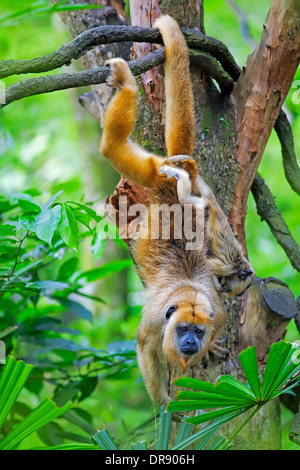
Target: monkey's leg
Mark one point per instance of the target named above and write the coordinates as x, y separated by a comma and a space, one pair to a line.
178, 87
130, 160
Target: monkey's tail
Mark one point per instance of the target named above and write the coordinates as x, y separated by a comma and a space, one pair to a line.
179, 95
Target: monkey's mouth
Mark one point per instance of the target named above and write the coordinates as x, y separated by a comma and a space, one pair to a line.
243, 291
189, 351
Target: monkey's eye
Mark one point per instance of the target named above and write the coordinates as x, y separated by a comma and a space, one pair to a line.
198, 331
183, 328
170, 311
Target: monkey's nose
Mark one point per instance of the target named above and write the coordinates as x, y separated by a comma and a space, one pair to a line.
245, 274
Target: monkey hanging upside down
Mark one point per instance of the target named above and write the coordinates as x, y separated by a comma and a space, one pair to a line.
183, 314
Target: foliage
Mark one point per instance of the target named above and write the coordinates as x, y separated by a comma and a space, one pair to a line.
13, 377
36, 312
233, 398
42, 7
184, 437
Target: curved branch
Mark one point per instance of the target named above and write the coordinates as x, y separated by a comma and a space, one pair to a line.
268, 211
36, 86
109, 34
290, 165
50, 83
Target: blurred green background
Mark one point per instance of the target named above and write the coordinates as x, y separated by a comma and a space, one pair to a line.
49, 142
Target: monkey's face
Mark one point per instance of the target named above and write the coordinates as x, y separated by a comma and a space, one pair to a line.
188, 329
232, 278
232, 272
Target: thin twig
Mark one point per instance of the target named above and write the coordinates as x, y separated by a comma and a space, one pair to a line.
289, 158
268, 211
16, 259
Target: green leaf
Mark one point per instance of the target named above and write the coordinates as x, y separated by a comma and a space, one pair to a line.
28, 267
27, 220
12, 379
217, 444
205, 440
280, 367
103, 271
228, 385
60, 6
98, 245
43, 414
29, 206
81, 419
140, 445
88, 210
46, 223
227, 411
104, 441
67, 269
7, 229
196, 384
207, 430
68, 228
211, 400
163, 430
68, 447
82, 217
48, 286
75, 307
184, 432
249, 364
8, 331
87, 386
49, 203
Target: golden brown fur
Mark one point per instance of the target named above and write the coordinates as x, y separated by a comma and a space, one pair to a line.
175, 278
232, 272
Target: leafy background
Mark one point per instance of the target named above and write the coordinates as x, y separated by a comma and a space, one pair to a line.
74, 309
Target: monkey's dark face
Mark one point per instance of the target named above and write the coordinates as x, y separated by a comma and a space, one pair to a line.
232, 272
189, 338
236, 283
188, 329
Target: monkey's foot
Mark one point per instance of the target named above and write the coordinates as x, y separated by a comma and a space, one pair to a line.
170, 172
120, 75
216, 348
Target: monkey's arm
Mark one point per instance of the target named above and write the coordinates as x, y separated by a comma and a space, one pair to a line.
130, 160
179, 95
148, 342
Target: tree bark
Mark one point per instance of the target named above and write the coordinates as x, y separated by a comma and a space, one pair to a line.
231, 134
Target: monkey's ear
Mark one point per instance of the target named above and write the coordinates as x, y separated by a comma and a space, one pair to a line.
170, 311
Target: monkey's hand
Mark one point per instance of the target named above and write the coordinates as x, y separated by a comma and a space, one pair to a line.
184, 185
216, 348
120, 75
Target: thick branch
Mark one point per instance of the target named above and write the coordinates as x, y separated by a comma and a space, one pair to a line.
50, 83
109, 34
290, 165
259, 95
268, 211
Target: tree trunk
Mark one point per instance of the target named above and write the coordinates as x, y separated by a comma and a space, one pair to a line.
231, 133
